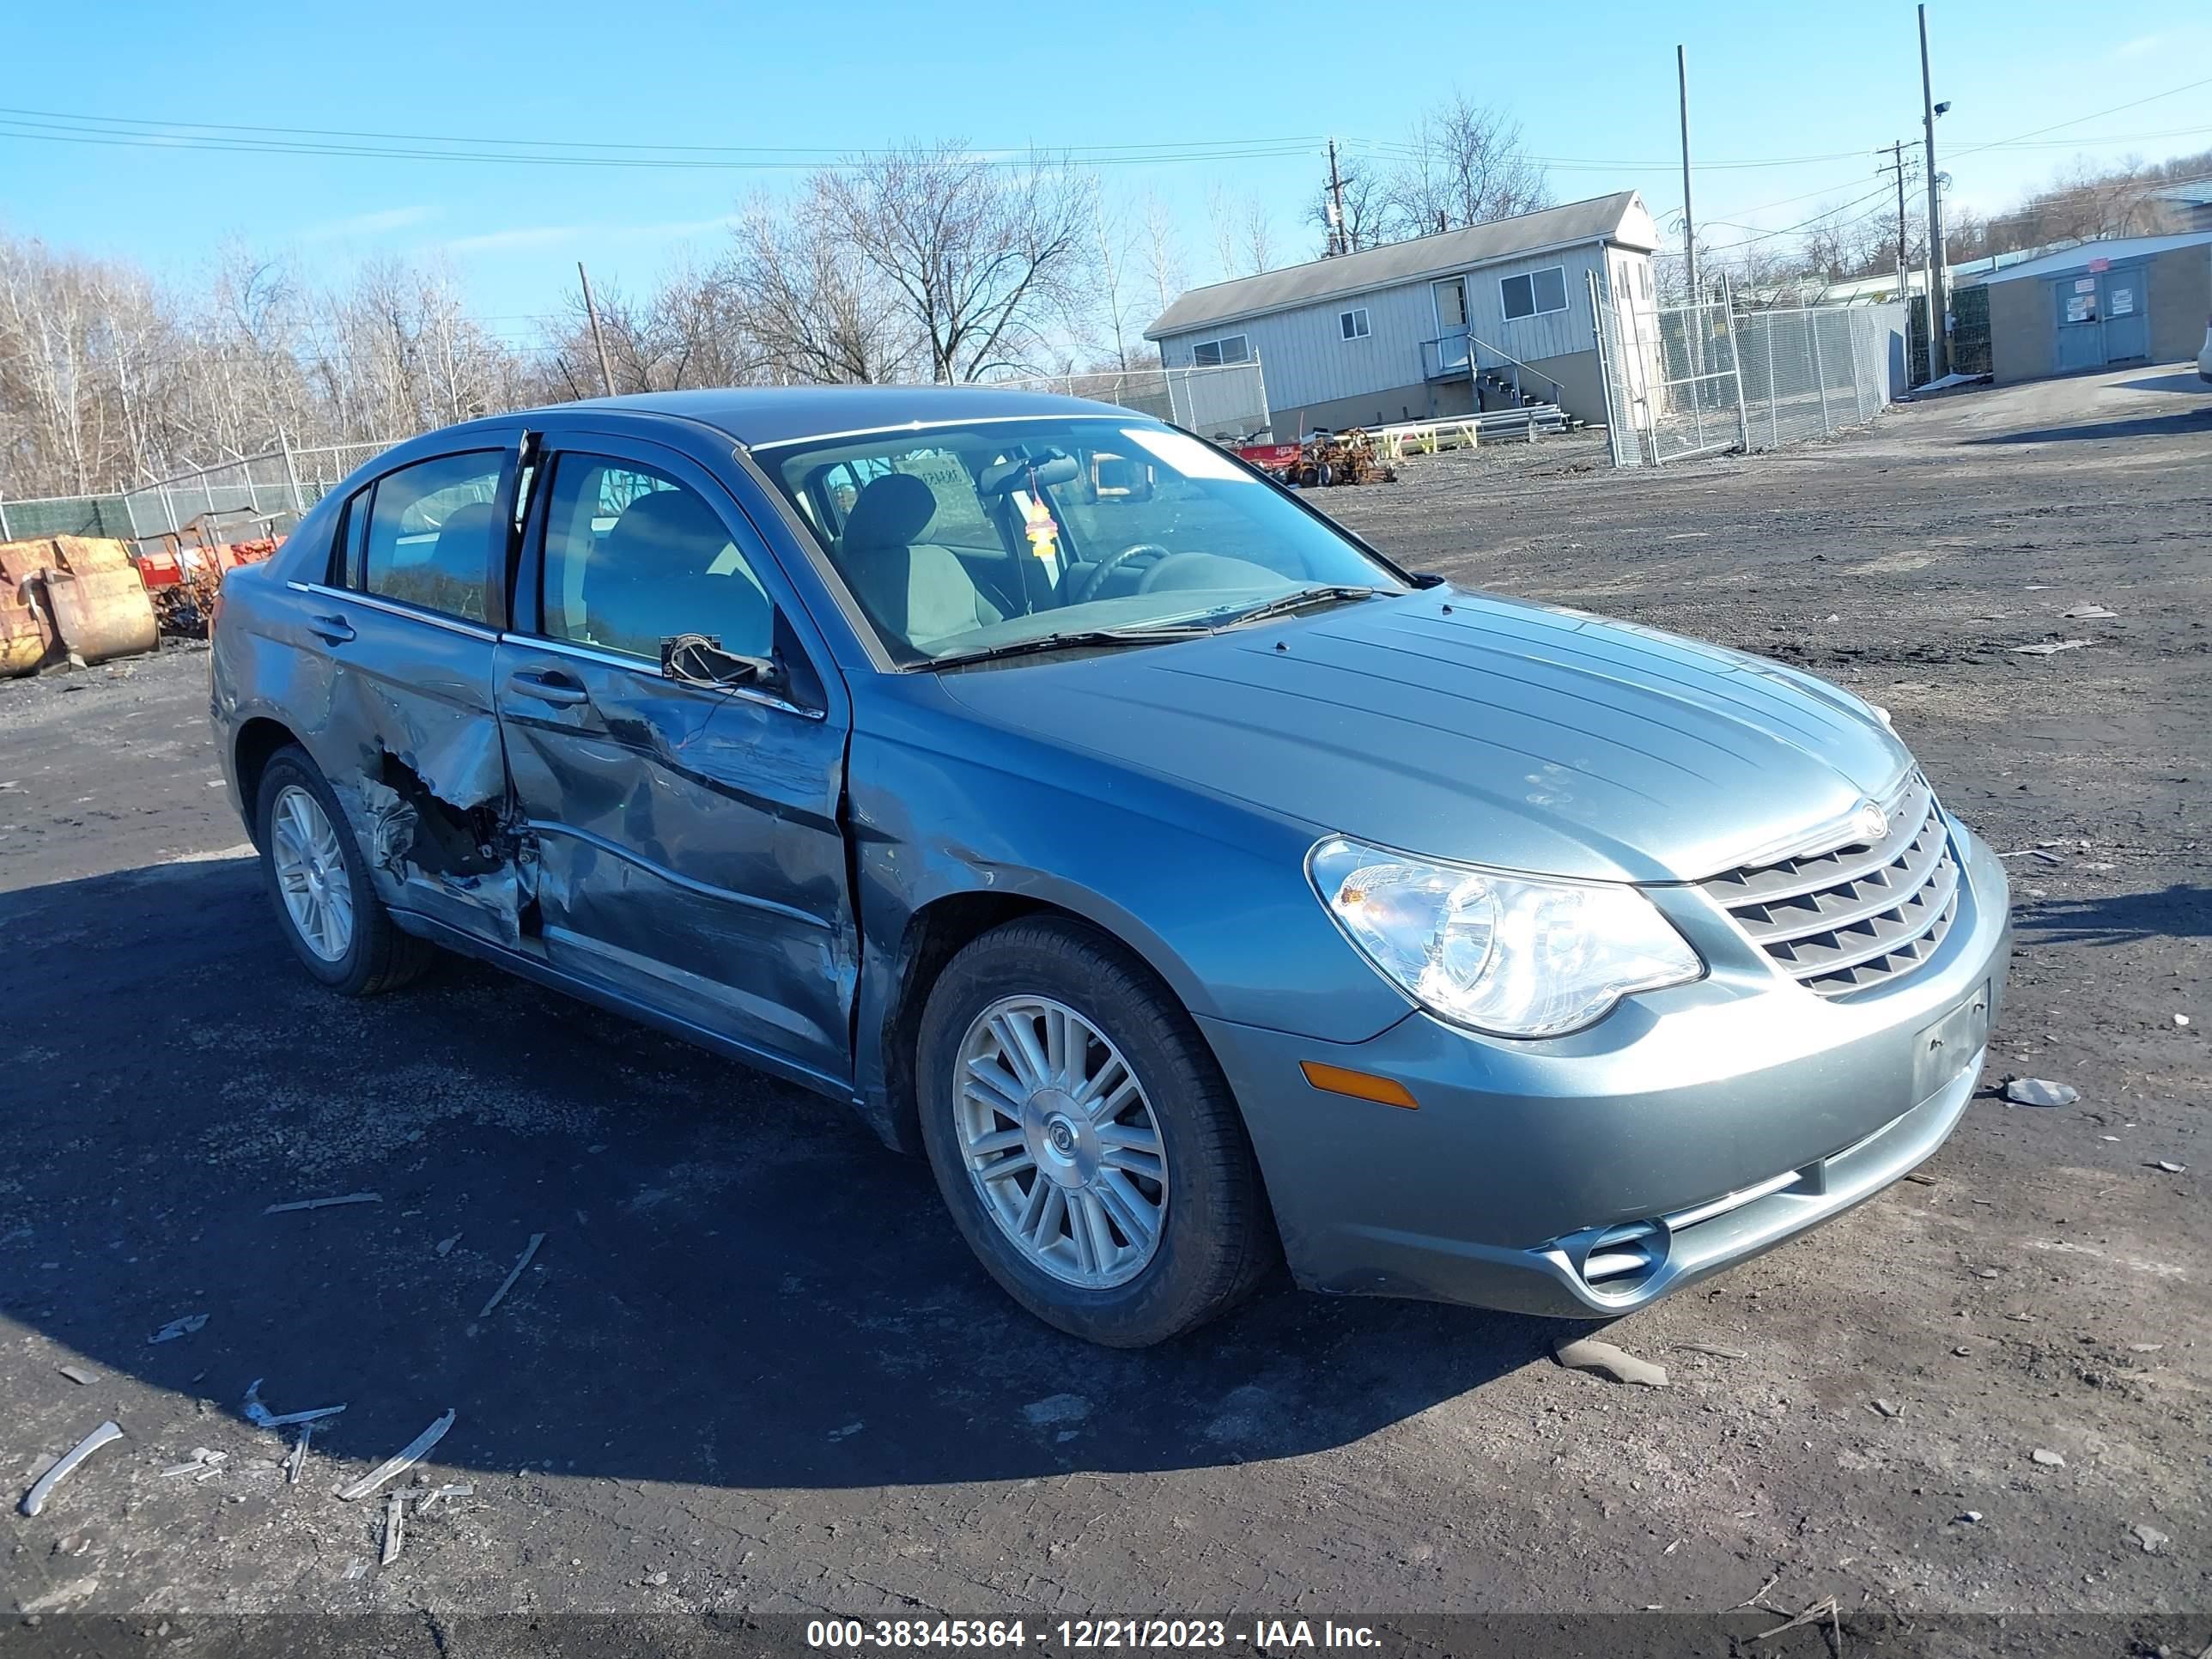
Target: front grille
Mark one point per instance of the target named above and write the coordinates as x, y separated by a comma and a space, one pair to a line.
1860, 913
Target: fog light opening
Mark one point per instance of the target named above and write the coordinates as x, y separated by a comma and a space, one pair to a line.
1621, 1259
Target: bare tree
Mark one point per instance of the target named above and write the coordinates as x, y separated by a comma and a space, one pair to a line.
1165, 267
987, 261
44, 355
1117, 299
1243, 232
705, 337
814, 310
1221, 224
1467, 166
1259, 240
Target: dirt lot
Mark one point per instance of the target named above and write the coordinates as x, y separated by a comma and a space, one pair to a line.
751, 1367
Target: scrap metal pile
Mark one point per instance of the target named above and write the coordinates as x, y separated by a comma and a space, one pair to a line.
84, 599
1324, 458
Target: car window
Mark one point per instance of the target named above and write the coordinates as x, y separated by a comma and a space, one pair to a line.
429, 533
633, 558
1011, 531
1121, 495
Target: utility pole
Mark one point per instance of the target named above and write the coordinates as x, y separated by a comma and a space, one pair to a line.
1689, 224
1938, 347
599, 340
1339, 234
1897, 166
1896, 154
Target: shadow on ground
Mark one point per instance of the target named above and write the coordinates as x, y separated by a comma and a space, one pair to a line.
738, 1286
2185, 379
2188, 422
2181, 911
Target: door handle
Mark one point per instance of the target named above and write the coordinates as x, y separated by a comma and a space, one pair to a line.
548, 686
335, 630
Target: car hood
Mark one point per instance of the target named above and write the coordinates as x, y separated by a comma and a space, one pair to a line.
1469, 727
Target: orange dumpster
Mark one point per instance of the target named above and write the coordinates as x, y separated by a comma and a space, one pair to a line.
26, 640
89, 591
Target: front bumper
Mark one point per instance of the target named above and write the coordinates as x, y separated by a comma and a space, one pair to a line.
1588, 1174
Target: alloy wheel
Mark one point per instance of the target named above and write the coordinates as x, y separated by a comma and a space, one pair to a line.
311, 873
1060, 1142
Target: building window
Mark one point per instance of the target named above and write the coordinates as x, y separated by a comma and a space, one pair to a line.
1535, 292
1228, 348
1352, 323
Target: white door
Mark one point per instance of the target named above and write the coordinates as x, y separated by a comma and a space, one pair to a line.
1451, 324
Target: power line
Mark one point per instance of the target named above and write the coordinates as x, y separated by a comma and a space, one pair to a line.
62, 126
2035, 133
592, 144
59, 127
1786, 230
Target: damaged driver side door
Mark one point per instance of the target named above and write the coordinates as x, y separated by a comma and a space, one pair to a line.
685, 814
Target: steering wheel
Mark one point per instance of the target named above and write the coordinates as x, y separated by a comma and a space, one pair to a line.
1110, 564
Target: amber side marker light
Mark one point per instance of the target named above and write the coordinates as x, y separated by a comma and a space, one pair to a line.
1360, 1086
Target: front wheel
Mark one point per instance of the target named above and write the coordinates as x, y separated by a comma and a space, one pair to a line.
1084, 1139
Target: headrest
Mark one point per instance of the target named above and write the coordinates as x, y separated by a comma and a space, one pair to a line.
466, 524
891, 512
666, 520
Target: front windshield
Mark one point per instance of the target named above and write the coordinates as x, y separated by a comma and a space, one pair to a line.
956, 540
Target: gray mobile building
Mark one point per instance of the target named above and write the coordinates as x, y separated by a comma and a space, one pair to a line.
2132, 299
1435, 326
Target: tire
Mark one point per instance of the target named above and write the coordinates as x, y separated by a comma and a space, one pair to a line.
1212, 1239
376, 956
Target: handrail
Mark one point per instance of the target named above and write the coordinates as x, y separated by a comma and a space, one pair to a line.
1474, 339
1517, 363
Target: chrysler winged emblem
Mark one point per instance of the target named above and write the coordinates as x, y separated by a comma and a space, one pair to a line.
1870, 822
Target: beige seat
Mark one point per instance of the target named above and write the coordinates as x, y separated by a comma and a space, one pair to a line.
918, 591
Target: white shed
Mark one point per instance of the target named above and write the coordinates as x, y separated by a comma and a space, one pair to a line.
1483, 318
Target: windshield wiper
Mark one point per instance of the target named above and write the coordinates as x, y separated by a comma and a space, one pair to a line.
1071, 640
1284, 605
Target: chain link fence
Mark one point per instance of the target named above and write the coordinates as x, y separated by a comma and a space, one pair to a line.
1809, 373
1704, 378
253, 496
1228, 402
265, 494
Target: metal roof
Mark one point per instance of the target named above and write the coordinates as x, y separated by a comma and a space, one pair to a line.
2114, 249
1598, 219
760, 416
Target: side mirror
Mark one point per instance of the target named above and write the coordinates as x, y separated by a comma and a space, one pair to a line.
1425, 578
697, 659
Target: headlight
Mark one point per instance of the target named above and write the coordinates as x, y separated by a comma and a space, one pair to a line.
1510, 955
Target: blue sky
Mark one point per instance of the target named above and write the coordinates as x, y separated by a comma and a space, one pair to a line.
1592, 81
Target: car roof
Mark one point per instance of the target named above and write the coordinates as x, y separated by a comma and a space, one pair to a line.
759, 416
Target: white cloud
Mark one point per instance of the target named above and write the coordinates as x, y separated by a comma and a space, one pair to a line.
2141, 46
495, 241
542, 236
367, 224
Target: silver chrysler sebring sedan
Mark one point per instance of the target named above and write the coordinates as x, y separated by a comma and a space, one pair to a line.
1196, 888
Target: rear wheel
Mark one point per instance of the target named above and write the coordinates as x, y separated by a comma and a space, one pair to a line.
319, 887
1084, 1139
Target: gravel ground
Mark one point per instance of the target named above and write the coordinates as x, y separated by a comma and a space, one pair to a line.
751, 1367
